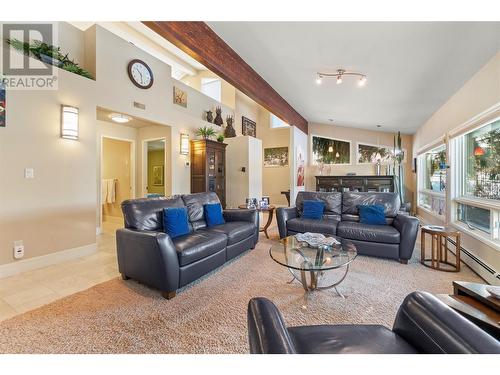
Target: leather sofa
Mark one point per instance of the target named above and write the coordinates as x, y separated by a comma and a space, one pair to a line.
423, 324
395, 240
148, 255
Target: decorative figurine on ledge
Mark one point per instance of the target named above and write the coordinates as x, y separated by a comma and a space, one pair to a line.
229, 132
218, 116
209, 116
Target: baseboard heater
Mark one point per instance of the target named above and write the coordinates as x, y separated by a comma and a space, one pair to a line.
476, 259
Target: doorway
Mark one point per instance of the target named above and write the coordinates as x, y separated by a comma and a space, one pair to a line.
117, 176
154, 167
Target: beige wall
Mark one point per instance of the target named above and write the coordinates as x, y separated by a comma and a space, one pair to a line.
355, 136
227, 91
478, 94
116, 164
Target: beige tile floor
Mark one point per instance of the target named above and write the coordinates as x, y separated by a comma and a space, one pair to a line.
32, 289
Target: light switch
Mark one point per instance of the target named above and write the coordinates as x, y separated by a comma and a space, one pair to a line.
29, 173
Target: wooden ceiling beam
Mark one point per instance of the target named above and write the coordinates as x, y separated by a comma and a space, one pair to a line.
199, 41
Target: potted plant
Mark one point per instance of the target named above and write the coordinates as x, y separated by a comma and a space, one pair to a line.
220, 138
206, 132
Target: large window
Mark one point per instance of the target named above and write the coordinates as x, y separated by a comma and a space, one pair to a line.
476, 197
432, 180
212, 87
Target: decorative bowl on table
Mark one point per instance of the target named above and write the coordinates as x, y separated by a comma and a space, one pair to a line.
316, 239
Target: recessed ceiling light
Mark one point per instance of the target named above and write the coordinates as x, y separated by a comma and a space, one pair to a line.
120, 118
379, 126
330, 119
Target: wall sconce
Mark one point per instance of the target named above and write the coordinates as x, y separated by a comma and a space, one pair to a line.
69, 122
184, 144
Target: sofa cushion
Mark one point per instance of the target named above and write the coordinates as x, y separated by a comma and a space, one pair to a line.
302, 225
351, 201
313, 209
198, 245
348, 339
333, 202
175, 221
147, 213
195, 203
235, 231
367, 232
213, 214
372, 214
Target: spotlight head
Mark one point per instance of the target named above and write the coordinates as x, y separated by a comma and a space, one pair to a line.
362, 81
318, 80
339, 79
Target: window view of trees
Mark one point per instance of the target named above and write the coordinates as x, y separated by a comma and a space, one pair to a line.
435, 169
483, 162
331, 151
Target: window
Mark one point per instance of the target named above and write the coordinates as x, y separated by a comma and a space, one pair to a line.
212, 87
476, 196
432, 180
276, 122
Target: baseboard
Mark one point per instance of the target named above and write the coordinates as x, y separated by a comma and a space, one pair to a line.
19, 266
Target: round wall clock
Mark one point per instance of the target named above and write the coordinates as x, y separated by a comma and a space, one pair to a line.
140, 74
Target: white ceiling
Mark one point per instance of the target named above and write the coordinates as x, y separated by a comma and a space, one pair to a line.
412, 67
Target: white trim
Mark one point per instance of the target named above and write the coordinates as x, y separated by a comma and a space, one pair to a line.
24, 265
439, 194
432, 213
483, 238
333, 139
434, 144
488, 204
472, 123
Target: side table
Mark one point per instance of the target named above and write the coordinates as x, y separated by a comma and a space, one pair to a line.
270, 211
439, 248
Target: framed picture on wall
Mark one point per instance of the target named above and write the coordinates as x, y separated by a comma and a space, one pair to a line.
157, 175
300, 168
3, 106
276, 157
180, 97
248, 127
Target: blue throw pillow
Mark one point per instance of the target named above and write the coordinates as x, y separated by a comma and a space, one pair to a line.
175, 221
372, 214
213, 214
313, 209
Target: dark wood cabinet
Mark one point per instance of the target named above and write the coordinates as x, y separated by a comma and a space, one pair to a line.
355, 183
208, 168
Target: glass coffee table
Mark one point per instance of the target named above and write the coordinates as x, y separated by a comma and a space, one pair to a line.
314, 267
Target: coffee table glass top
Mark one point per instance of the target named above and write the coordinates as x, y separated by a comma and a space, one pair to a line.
294, 254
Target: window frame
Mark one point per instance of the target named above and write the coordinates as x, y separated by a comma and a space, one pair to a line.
457, 146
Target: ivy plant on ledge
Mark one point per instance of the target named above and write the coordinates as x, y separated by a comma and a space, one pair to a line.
49, 54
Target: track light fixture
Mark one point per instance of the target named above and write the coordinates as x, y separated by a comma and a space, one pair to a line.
339, 76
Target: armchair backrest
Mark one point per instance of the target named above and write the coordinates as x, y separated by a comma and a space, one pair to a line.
432, 327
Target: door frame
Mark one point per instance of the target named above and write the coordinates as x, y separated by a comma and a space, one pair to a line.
132, 171
144, 177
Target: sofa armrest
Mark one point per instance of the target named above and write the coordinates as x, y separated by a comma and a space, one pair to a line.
148, 257
432, 327
408, 230
267, 332
283, 214
242, 214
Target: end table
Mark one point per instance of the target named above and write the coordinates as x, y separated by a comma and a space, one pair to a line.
270, 210
439, 248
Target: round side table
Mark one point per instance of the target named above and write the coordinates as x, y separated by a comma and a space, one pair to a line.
439, 248
270, 211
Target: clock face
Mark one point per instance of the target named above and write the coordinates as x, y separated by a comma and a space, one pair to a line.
140, 74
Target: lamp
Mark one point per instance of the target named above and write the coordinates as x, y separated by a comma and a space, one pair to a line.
184, 144
479, 151
69, 122
339, 75
330, 149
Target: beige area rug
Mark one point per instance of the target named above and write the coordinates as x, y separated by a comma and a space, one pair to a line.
209, 316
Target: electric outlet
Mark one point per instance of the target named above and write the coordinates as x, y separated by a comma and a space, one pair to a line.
18, 249
29, 173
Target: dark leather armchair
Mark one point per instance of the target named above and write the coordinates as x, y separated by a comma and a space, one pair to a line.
150, 256
394, 240
423, 325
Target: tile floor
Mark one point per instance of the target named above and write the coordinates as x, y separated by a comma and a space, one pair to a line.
32, 289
